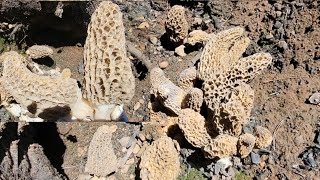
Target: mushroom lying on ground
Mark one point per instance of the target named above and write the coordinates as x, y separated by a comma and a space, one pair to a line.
37, 93
172, 96
37, 51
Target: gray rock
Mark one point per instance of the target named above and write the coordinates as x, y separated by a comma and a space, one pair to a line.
315, 98
318, 138
277, 25
283, 45
311, 160
237, 162
255, 158
222, 165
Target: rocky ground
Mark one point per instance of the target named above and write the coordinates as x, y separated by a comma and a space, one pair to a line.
288, 30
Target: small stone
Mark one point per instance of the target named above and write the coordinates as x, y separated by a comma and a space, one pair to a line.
315, 98
278, 13
11, 26
278, 6
277, 25
269, 36
222, 165
149, 105
136, 106
255, 158
132, 176
283, 45
236, 161
144, 25
139, 18
163, 64
124, 141
197, 21
141, 101
298, 140
180, 51
153, 40
14, 109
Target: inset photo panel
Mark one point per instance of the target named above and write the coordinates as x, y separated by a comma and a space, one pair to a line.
78, 151
73, 61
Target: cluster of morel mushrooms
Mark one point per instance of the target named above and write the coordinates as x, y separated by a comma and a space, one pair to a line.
108, 79
211, 102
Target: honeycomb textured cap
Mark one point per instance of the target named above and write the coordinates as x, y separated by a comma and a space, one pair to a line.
195, 99
171, 96
176, 24
187, 78
102, 159
245, 144
198, 36
160, 160
193, 127
263, 137
162, 121
28, 88
108, 77
221, 68
222, 146
39, 51
236, 111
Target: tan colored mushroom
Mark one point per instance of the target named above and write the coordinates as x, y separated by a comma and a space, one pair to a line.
108, 78
170, 95
245, 144
187, 78
176, 24
222, 69
222, 146
160, 160
195, 99
43, 92
102, 159
263, 137
193, 127
198, 36
39, 51
236, 111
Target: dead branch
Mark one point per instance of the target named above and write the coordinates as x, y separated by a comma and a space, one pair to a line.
138, 54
